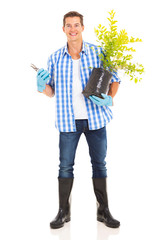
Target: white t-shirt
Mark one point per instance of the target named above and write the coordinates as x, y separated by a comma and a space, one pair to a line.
79, 106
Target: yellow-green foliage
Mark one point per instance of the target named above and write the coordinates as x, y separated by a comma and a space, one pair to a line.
117, 53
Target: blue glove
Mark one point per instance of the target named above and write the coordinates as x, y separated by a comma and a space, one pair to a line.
107, 100
42, 79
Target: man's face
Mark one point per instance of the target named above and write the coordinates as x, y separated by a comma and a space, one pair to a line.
73, 28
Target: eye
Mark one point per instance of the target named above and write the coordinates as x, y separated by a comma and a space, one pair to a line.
68, 25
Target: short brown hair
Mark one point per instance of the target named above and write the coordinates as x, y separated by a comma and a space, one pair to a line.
73, 14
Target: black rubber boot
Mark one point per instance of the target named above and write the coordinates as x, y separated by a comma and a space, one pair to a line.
65, 187
103, 213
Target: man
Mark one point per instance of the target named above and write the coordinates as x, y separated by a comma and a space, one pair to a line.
67, 75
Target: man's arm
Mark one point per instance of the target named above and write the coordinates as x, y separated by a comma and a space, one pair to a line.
48, 91
113, 89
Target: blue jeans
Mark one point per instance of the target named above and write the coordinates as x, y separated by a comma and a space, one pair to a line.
97, 142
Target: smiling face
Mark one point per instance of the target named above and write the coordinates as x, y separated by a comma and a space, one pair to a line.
73, 29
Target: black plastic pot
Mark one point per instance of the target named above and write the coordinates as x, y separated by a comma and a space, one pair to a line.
98, 83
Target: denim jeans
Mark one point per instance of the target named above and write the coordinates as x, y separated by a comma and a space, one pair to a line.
97, 143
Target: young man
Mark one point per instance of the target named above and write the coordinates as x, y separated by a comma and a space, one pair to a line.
67, 75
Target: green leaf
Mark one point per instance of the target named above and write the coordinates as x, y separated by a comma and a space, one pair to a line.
117, 54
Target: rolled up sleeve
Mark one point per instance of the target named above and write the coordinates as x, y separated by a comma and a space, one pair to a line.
50, 65
115, 77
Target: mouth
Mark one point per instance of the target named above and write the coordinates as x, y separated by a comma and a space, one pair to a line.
73, 34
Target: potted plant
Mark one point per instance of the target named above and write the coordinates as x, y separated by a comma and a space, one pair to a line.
117, 54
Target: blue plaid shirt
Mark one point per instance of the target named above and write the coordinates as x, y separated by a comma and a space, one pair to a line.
60, 67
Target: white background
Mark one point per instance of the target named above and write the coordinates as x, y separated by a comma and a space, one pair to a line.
30, 32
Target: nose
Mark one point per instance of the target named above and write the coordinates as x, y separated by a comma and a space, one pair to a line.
72, 28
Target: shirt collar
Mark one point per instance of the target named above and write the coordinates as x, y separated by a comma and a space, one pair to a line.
65, 50
84, 49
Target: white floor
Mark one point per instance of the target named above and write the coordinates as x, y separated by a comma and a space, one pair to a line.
28, 209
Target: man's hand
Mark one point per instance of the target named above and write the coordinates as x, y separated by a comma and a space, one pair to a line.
106, 101
42, 78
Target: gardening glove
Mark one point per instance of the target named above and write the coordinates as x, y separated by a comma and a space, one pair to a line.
106, 101
42, 78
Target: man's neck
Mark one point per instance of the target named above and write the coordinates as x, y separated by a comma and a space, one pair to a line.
74, 48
